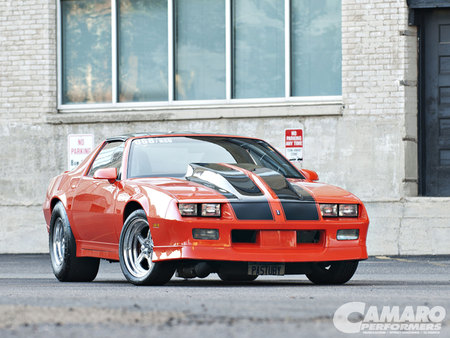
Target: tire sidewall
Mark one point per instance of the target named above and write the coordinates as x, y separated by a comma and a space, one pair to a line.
61, 271
339, 272
138, 214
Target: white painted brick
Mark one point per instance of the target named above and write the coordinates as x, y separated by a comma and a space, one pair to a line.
27, 37
374, 60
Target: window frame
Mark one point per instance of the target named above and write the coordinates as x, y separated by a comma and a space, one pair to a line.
287, 99
105, 144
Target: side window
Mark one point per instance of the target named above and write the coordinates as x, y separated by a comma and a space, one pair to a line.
109, 157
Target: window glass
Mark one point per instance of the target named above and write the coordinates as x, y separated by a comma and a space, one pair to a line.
142, 54
199, 49
86, 51
199, 55
316, 47
109, 157
258, 54
170, 156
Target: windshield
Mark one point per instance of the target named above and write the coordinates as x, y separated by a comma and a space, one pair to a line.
171, 156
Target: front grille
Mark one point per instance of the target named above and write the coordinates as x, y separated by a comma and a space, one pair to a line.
308, 236
243, 236
253, 236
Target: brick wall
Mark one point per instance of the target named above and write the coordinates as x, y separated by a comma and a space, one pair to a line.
370, 149
375, 58
27, 60
380, 84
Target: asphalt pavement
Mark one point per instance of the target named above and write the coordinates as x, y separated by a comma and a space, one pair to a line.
34, 304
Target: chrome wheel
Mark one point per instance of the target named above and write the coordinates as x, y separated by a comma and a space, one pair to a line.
138, 248
58, 245
136, 253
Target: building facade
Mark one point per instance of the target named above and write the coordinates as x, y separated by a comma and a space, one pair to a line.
366, 79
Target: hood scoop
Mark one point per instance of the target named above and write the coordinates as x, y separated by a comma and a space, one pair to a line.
227, 181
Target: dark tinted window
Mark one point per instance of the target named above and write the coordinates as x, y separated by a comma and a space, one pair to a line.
109, 157
170, 156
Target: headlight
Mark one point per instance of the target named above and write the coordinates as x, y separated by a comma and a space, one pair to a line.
339, 210
188, 209
348, 210
204, 209
211, 209
329, 210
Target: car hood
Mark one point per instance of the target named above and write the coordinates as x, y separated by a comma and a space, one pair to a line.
244, 183
326, 193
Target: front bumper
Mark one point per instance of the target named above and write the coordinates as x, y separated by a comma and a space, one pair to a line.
274, 242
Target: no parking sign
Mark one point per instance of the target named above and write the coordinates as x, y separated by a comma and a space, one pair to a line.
293, 144
80, 145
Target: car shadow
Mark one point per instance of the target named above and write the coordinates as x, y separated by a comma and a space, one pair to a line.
279, 283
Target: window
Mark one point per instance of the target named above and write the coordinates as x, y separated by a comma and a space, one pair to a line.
171, 156
142, 49
109, 157
121, 52
199, 49
316, 70
258, 53
86, 51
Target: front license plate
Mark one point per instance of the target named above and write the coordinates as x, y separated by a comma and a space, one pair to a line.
255, 269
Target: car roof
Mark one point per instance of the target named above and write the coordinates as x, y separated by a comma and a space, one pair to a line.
125, 137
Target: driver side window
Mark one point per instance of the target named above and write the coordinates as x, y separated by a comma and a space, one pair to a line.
109, 157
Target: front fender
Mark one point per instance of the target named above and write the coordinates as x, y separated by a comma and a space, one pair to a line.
158, 205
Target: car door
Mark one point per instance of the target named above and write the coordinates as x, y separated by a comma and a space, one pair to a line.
94, 201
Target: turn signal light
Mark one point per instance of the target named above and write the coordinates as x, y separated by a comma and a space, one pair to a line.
205, 234
347, 234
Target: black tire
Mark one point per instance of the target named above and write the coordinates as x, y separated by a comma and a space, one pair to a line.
332, 272
231, 277
136, 251
66, 266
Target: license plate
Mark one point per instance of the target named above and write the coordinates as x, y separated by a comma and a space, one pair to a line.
255, 269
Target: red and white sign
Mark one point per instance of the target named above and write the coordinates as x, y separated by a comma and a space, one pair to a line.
293, 144
79, 146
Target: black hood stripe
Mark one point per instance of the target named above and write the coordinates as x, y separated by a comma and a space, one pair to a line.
246, 199
257, 211
300, 211
298, 204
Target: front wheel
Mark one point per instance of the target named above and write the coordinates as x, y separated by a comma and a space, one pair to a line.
236, 277
136, 253
332, 272
66, 266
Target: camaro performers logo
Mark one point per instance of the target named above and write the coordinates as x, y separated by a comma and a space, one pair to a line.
356, 317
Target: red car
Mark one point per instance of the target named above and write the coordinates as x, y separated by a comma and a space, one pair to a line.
200, 204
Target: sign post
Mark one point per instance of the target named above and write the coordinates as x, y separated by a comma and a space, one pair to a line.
293, 144
79, 146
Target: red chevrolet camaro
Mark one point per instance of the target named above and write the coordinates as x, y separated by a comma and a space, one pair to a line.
197, 204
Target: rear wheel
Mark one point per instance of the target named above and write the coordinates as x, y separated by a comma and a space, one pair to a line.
332, 272
136, 253
66, 266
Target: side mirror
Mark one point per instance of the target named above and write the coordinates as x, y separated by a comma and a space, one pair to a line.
109, 174
310, 175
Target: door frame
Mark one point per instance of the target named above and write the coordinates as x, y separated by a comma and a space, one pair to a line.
418, 10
